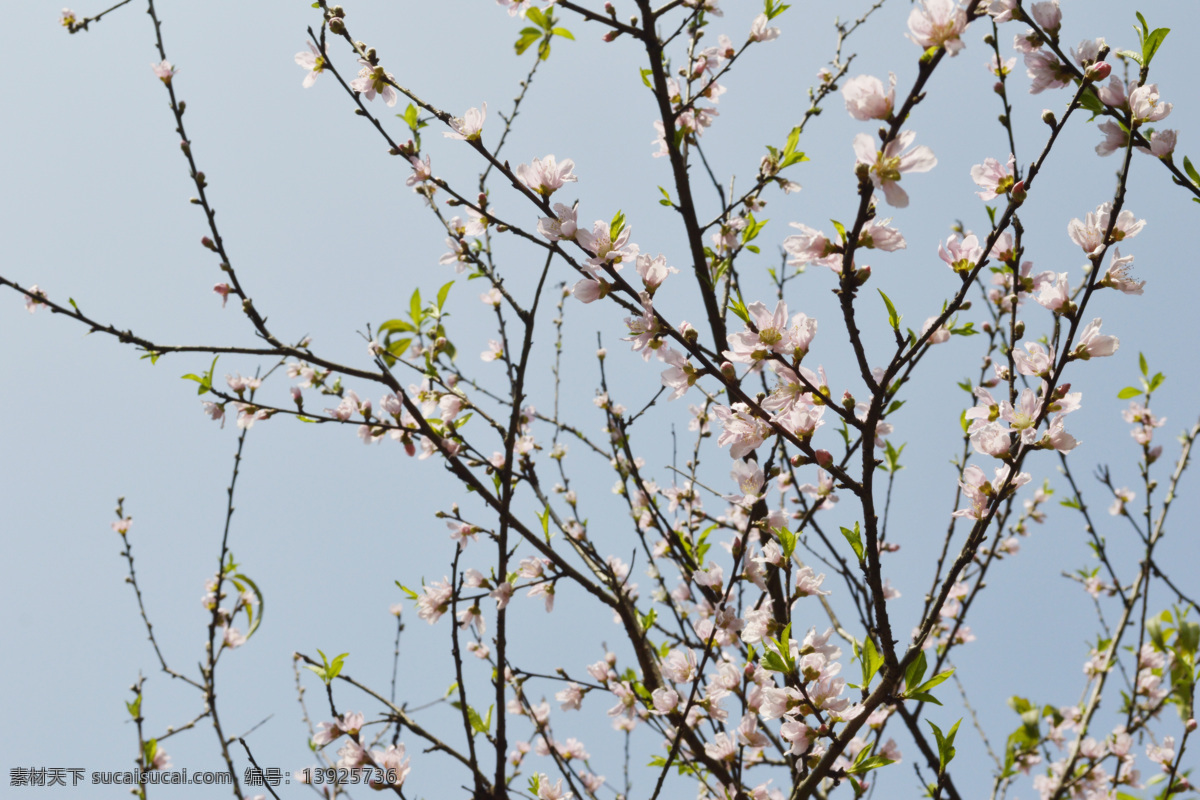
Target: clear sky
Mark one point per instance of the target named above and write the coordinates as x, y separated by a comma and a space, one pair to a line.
328, 239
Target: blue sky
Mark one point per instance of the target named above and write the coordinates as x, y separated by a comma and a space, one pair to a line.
328, 239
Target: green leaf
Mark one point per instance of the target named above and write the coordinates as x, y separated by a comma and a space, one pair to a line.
771, 10
787, 541
871, 660
479, 725
935, 681
1191, 170
1156, 381
536, 16
893, 317
411, 594
617, 225
945, 745
1142, 364
563, 32
854, 537
414, 307
646, 76
841, 229
865, 762
254, 620
915, 672
441, 295
868, 764
1128, 392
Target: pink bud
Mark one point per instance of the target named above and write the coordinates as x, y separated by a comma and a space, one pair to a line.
824, 458
1191, 725
1018, 192
1098, 71
608, 37
998, 87
727, 371
207, 242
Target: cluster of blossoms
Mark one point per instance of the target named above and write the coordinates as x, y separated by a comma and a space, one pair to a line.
231, 637
700, 80
390, 763
1046, 71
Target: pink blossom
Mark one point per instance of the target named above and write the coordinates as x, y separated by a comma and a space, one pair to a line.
1001, 10
1120, 498
32, 303
1118, 275
435, 601
514, 7
164, 71
760, 30
961, 256
604, 249
1046, 71
1054, 292
990, 438
994, 179
223, 290
938, 23
1047, 15
546, 176
67, 18
1115, 138
314, 62
748, 476
393, 762
653, 271
878, 234
810, 247
1113, 92
421, 171
373, 79
942, 334
468, 127
1094, 345
680, 375
562, 226
866, 99
1144, 103
1162, 143
888, 165
1001, 68
1033, 360
1089, 232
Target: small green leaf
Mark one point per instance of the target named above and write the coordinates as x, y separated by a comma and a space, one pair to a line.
871, 660
411, 594
893, 317
787, 541
1128, 392
646, 76
617, 225
1142, 365
1188, 168
563, 32
945, 745
854, 537
536, 16
915, 672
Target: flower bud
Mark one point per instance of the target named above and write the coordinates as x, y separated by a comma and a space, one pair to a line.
1018, 192
336, 26
862, 275
207, 242
1019, 330
727, 371
1191, 725
824, 458
1098, 72
608, 37
998, 87
1048, 118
